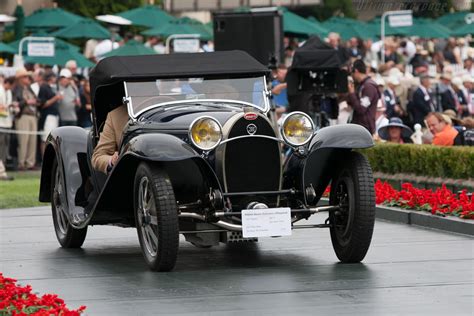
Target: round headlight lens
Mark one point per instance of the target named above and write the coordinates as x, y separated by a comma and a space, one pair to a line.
205, 133
297, 129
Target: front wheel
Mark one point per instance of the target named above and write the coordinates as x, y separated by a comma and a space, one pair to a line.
352, 226
156, 217
68, 236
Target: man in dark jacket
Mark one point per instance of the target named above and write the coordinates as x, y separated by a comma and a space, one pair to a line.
364, 101
422, 103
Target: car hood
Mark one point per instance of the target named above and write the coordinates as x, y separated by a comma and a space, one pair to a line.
181, 119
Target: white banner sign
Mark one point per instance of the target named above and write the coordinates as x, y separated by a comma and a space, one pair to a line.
41, 49
186, 45
400, 20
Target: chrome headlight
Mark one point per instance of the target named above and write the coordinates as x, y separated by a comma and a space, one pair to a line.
297, 128
205, 133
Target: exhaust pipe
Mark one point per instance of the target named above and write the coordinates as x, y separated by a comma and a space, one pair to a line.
222, 224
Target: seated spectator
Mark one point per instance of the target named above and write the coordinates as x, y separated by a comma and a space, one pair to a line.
391, 100
466, 136
467, 91
449, 98
422, 103
440, 126
396, 132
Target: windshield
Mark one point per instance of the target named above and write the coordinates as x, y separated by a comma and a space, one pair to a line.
145, 95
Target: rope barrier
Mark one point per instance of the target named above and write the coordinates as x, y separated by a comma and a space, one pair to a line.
20, 132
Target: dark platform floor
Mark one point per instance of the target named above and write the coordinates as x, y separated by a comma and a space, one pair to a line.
407, 271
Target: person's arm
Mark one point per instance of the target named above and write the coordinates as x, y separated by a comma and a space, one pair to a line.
362, 105
47, 99
106, 148
278, 88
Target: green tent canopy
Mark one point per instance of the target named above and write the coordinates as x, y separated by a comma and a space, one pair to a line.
85, 28
51, 18
19, 24
148, 15
131, 48
15, 45
466, 29
179, 27
424, 28
62, 55
427, 28
348, 28
294, 24
5, 48
453, 20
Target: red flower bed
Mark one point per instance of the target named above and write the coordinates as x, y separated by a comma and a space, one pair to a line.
439, 202
18, 300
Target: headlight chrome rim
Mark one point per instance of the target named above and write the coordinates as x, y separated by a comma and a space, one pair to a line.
282, 129
190, 132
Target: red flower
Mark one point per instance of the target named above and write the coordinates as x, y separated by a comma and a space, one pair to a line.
18, 300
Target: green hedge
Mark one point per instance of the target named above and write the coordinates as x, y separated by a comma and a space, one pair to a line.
423, 160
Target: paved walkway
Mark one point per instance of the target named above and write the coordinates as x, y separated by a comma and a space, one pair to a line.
408, 270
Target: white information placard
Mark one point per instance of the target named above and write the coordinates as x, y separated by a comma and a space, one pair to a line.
186, 45
41, 49
400, 20
266, 222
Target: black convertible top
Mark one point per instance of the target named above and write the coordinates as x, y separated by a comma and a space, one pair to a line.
226, 63
107, 77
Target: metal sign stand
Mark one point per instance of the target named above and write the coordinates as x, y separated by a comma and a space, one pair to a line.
389, 13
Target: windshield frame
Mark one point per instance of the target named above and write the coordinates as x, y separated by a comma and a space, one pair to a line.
134, 116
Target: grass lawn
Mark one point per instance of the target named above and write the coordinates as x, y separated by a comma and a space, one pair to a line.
21, 192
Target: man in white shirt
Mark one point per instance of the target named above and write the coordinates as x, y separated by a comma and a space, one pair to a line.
6, 123
103, 48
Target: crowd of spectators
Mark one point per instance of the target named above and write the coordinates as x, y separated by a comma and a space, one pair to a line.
422, 91
423, 87
34, 102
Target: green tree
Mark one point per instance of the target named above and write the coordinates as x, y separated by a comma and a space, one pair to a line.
91, 8
431, 8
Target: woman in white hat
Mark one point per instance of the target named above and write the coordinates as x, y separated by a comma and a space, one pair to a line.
396, 132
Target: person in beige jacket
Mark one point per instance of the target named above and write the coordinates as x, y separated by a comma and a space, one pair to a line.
105, 154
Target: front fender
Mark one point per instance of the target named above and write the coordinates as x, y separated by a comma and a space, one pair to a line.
347, 136
68, 145
326, 151
185, 167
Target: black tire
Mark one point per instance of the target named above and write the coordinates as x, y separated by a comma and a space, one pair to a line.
157, 223
352, 226
68, 236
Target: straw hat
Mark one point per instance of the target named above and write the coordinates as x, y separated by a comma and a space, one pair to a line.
22, 72
379, 81
457, 82
447, 76
393, 80
467, 78
394, 122
450, 117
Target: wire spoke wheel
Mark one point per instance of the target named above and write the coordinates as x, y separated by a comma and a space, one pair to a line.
352, 189
68, 236
156, 217
147, 210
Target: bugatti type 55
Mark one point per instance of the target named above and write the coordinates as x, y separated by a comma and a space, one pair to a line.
201, 156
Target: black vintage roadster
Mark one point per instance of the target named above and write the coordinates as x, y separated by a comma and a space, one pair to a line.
201, 156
